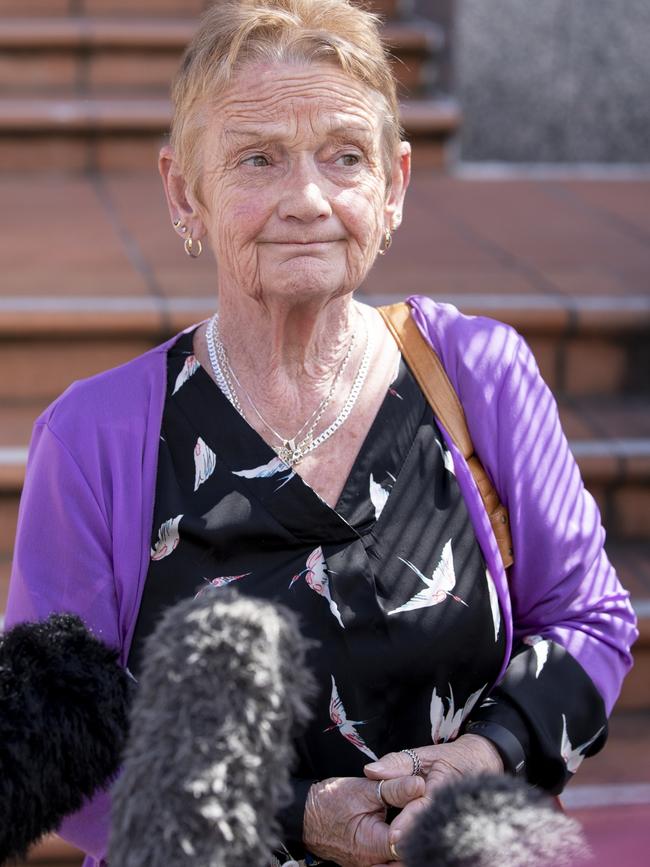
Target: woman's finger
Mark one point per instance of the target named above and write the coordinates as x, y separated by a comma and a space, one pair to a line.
401, 791
403, 822
392, 765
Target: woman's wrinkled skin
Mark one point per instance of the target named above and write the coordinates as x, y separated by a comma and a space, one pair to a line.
295, 196
441, 764
296, 201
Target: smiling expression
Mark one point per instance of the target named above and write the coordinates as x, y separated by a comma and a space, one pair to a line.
294, 186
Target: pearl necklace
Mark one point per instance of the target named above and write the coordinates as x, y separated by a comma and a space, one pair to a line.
290, 451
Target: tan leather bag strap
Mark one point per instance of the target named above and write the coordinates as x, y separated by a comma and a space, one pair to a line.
434, 382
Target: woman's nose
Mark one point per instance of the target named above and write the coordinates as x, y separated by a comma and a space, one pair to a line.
304, 196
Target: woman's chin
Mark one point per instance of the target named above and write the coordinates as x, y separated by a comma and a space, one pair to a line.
303, 276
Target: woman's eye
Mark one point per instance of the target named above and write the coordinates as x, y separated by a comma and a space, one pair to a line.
349, 159
256, 160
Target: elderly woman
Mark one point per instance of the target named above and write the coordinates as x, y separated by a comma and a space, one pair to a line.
285, 445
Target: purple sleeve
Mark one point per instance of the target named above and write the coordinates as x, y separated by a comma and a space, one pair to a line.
562, 584
62, 562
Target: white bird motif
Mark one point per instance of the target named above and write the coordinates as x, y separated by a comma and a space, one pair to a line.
220, 582
494, 604
447, 458
346, 726
541, 646
168, 539
439, 586
274, 466
317, 578
190, 367
379, 495
205, 461
573, 757
445, 726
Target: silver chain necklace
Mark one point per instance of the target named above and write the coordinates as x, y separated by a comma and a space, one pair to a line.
294, 442
289, 451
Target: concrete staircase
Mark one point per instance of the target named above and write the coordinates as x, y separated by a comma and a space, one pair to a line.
93, 273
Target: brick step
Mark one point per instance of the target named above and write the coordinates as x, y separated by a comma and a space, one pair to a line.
120, 132
90, 56
66, 8
632, 562
610, 440
585, 346
151, 8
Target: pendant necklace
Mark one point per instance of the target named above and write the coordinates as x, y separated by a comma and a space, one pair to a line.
292, 449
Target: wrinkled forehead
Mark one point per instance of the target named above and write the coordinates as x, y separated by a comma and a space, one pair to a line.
287, 101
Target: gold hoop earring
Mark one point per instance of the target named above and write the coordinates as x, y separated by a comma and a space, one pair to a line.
388, 240
189, 247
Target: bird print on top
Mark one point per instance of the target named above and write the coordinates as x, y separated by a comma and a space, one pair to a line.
541, 646
205, 461
494, 604
438, 587
223, 522
274, 467
447, 458
574, 756
345, 726
445, 725
220, 582
316, 577
168, 538
379, 495
189, 368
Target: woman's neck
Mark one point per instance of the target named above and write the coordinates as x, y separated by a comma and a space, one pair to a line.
286, 356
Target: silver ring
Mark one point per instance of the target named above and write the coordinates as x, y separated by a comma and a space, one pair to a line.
380, 797
417, 764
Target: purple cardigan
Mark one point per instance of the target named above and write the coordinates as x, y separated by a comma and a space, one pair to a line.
84, 528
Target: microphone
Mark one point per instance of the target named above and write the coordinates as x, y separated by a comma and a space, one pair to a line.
491, 821
63, 724
222, 693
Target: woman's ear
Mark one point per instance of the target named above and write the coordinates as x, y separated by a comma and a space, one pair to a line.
183, 209
401, 175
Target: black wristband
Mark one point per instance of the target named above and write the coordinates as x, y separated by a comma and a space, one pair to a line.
507, 745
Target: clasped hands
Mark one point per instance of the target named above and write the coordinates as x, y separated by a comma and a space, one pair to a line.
345, 821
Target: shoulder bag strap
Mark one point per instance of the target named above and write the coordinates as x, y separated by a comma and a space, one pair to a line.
434, 382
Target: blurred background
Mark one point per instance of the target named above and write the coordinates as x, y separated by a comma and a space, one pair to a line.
530, 202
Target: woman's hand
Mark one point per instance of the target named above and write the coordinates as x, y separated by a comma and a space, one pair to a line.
345, 821
469, 755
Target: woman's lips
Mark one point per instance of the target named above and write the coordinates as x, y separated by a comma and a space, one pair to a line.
304, 243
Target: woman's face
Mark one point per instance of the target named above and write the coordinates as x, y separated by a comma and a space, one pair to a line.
294, 184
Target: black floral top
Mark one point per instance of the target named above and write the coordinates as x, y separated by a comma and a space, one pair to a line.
391, 584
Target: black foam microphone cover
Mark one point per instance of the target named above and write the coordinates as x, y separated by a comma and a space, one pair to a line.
64, 702
222, 693
493, 821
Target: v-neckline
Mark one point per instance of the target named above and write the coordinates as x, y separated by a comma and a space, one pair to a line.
240, 448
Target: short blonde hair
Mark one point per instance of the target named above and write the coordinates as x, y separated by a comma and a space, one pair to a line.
235, 32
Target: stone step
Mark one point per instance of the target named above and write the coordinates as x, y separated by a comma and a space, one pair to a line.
90, 56
124, 132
